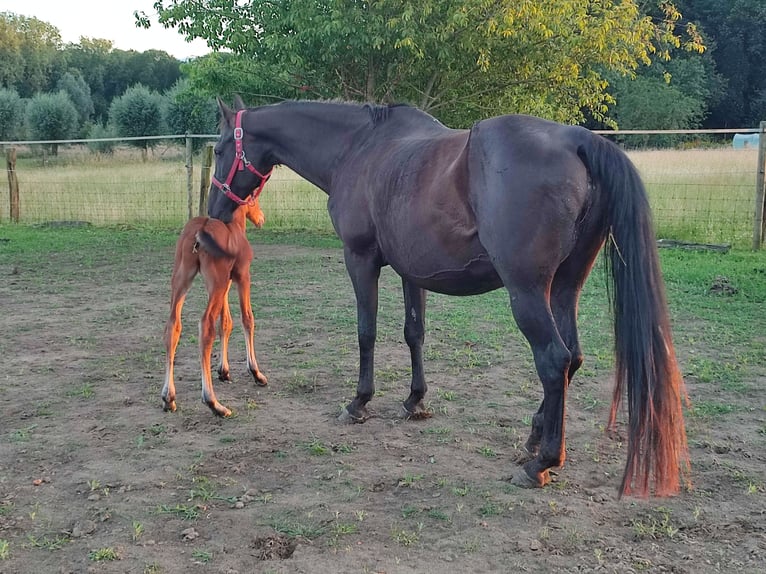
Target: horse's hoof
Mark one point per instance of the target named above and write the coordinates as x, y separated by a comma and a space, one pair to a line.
419, 413
220, 410
169, 406
523, 480
347, 418
260, 379
224, 376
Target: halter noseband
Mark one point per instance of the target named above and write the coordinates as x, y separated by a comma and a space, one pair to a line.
241, 162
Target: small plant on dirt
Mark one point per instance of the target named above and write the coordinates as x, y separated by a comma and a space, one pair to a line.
404, 537
94, 485
152, 568
5, 508
202, 556
103, 554
316, 448
138, 530
460, 490
409, 480
5, 549
490, 508
438, 514
446, 395
487, 451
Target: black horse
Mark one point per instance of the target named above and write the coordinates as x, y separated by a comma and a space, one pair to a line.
515, 202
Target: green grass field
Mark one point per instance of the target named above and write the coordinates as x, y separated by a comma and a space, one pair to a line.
697, 195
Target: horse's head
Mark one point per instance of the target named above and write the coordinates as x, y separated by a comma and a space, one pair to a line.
241, 168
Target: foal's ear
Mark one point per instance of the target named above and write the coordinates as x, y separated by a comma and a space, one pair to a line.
238, 103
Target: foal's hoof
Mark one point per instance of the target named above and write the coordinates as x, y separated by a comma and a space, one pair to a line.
224, 376
420, 412
260, 379
169, 406
347, 418
522, 479
220, 410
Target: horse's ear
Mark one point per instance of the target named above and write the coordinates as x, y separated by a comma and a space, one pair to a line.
238, 103
226, 112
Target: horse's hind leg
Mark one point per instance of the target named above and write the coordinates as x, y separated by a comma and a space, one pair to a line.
180, 283
552, 360
224, 332
216, 295
248, 323
414, 334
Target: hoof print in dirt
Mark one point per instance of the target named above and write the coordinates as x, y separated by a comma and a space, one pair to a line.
274, 547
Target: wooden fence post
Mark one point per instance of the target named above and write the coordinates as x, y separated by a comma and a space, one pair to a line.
13, 184
189, 177
759, 221
204, 182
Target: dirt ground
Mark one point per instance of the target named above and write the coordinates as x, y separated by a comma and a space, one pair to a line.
95, 477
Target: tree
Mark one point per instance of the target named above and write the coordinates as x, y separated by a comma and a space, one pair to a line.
738, 46
51, 117
74, 85
138, 112
188, 111
11, 114
459, 59
28, 49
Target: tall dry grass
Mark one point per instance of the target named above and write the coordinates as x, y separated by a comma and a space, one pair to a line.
697, 195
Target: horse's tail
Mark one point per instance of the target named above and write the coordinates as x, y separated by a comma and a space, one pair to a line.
645, 359
206, 241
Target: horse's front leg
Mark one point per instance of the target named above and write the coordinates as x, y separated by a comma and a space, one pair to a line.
414, 334
364, 271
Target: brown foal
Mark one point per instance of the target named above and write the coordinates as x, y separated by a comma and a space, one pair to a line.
222, 254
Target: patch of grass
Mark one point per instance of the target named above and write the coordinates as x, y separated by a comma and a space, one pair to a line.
48, 542
655, 526
183, 511
487, 451
22, 435
404, 537
317, 448
202, 556
5, 549
103, 554
84, 391
289, 526
138, 530
710, 409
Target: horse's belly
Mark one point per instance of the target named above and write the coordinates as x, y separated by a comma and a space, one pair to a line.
469, 277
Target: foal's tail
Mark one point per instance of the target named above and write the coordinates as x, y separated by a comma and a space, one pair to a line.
207, 242
645, 358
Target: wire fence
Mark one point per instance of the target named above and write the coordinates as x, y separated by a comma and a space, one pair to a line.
711, 194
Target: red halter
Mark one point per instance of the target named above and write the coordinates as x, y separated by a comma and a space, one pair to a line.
240, 162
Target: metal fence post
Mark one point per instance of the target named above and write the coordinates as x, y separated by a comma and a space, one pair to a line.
759, 221
204, 183
189, 177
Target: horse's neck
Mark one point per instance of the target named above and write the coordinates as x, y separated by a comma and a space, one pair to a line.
312, 139
238, 220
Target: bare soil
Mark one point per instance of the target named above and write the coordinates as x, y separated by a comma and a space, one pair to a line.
95, 477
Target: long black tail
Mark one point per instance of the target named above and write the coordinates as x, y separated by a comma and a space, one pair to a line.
645, 359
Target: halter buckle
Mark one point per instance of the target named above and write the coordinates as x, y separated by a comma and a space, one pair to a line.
238, 133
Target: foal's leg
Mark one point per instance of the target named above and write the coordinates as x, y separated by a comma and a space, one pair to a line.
248, 323
364, 271
414, 334
180, 283
216, 288
225, 329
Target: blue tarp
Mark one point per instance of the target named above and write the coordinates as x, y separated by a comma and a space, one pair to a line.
743, 141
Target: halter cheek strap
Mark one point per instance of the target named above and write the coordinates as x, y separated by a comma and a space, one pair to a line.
241, 162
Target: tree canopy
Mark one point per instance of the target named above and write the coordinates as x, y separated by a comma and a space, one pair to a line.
459, 59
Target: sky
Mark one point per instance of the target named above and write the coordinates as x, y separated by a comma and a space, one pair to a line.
107, 19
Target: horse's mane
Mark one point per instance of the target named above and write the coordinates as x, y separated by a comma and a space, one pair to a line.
380, 113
